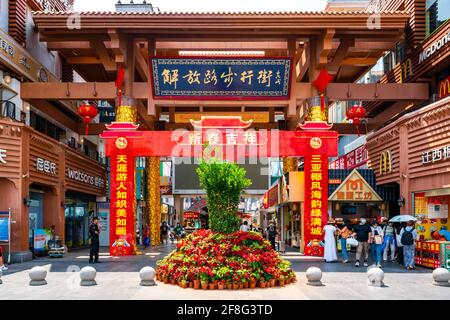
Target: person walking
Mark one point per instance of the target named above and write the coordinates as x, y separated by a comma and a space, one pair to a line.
94, 233
164, 230
330, 230
272, 234
362, 232
408, 236
398, 229
389, 241
376, 243
146, 236
344, 233
178, 231
244, 227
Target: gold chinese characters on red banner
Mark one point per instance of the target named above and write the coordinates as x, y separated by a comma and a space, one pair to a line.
316, 204
122, 203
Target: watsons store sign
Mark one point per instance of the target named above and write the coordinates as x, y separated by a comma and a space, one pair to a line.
83, 177
434, 47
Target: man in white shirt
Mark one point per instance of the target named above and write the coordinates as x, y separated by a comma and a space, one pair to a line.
244, 226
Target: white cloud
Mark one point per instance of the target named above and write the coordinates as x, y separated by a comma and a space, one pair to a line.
210, 5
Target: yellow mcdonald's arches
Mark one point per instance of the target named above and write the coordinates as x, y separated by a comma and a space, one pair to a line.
385, 162
406, 70
444, 88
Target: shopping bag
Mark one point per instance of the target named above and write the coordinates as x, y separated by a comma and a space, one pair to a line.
352, 242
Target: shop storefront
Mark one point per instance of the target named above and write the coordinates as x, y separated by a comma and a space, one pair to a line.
84, 182
418, 160
36, 172
45, 192
353, 194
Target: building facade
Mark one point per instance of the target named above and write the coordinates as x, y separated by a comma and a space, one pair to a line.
51, 174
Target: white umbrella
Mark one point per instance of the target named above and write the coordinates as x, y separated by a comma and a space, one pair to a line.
403, 218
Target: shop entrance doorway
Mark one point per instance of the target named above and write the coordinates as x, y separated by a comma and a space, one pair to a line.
36, 219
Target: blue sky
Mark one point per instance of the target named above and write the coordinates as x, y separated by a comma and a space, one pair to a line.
210, 5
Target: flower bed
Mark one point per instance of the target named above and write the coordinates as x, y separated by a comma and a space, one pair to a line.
209, 260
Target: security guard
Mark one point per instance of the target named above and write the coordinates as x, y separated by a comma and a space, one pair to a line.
94, 232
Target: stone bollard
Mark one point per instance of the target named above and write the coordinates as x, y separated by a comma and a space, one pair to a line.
147, 275
314, 276
375, 277
37, 276
87, 276
441, 277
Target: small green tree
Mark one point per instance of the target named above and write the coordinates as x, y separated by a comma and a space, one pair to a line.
223, 183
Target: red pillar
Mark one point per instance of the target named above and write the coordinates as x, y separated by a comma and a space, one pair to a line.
122, 198
316, 203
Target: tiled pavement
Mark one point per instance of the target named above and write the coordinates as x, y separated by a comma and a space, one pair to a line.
118, 278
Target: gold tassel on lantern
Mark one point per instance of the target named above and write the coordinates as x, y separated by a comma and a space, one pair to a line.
153, 199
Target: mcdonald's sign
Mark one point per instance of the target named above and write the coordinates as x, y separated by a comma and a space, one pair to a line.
385, 162
406, 70
444, 88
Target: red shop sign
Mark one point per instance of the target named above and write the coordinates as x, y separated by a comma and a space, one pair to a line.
351, 160
271, 197
191, 215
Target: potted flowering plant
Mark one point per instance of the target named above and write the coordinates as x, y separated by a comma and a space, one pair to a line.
281, 280
183, 283
254, 277
267, 278
222, 275
236, 280
195, 278
204, 279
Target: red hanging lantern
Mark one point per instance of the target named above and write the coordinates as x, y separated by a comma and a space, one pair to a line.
87, 112
356, 113
321, 83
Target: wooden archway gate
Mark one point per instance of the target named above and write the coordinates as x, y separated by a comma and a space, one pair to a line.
231, 138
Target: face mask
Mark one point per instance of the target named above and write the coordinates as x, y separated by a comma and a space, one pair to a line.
362, 221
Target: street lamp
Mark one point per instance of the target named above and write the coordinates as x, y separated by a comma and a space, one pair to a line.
401, 201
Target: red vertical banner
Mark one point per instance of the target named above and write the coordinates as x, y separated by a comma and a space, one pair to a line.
316, 203
122, 197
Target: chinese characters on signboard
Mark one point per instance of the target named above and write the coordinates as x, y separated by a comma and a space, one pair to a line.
436, 155
3, 153
221, 78
355, 188
316, 203
122, 200
271, 197
351, 160
215, 138
45, 166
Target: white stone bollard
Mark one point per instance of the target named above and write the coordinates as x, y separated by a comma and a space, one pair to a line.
147, 275
37, 276
314, 276
441, 277
375, 277
87, 276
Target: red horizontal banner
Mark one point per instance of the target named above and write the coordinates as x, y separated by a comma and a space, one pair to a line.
233, 144
354, 159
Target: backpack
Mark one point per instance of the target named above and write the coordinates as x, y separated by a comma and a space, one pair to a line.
407, 238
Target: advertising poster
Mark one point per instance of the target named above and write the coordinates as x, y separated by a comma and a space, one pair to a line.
41, 237
4, 232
